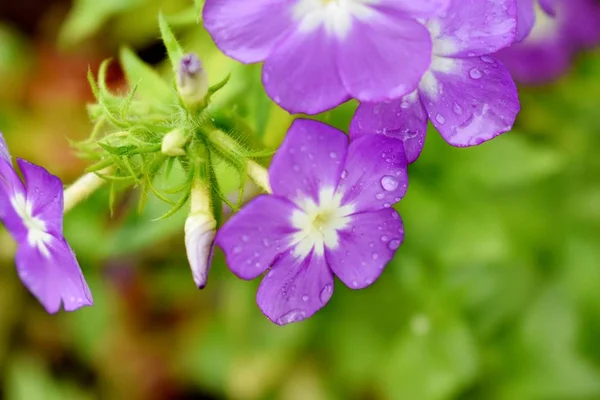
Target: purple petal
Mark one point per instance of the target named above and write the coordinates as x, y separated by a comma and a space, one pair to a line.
420, 9
309, 160
256, 235
374, 175
525, 18
4, 153
550, 6
536, 62
580, 21
52, 274
247, 30
301, 75
393, 54
295, 288
404, 119
45, 194
365, 247
479, 100
11, 191
474, 27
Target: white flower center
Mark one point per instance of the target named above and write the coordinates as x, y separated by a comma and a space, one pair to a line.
335, 15
36, 228
318, 224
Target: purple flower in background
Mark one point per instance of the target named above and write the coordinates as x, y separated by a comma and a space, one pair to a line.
554, 30
320, 53
32, 211
330, 214
468, 95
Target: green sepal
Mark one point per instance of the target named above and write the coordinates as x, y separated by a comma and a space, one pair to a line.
174, 50
151, 87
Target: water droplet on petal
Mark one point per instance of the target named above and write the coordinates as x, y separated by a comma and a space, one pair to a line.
354, 284
305, 298
474, 73
344, 174
389, 183
394, 244
266, 242
457, 109
387, 205
291, 316
374, 256
237, 249
384, 238
333, 155
379, 196
326, 294
440, 118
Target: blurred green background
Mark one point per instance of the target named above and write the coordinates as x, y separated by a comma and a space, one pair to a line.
495, 293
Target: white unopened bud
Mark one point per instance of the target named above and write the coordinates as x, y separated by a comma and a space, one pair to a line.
173, 143
200, 231
192, 81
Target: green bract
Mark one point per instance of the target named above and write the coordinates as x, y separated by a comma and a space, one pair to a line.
130, 128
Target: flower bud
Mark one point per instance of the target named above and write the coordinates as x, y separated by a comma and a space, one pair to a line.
173, 142
192, 81
200, 231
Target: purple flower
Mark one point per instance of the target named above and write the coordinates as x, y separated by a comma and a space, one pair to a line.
468, 95
32, 211
320, 53
330, 214
554, 30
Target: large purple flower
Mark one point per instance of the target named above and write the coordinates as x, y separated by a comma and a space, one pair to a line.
554, 30
330, 214
32, 211
320, 53
469, 96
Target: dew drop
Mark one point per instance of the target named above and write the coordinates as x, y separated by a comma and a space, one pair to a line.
384, 238
291, 316
374, 256
371, 244
344, 174
387, 205
266, 242
237, 249
326, 293
389, 183
379, 196
474, 73
355, 284
305, 298
457, 109
440, 118
333, 155
394, 244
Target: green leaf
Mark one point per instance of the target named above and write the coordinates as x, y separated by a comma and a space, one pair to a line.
432, 361
150, 86
174, 50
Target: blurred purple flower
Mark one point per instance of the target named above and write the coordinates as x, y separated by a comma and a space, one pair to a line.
32, 211
320, 53
554, 30
330, 214
468, 95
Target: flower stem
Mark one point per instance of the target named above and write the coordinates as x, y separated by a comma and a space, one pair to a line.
259, 175
83, 187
